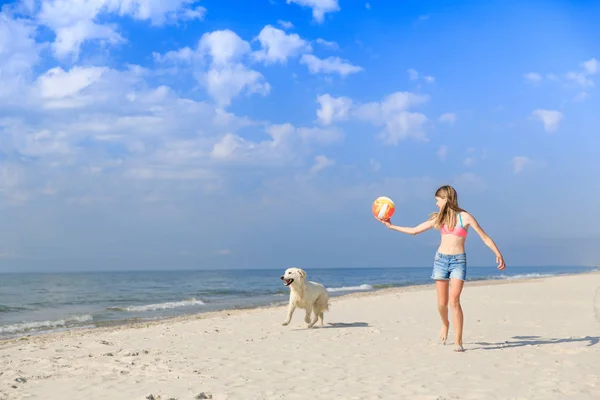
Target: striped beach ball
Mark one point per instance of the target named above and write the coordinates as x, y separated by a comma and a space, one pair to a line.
383, 208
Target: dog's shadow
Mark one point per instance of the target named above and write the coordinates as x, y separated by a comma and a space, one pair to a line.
338, 325
345, 325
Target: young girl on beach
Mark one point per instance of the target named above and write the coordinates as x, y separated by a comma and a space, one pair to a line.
450, 263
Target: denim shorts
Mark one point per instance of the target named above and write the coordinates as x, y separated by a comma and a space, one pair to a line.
446, 266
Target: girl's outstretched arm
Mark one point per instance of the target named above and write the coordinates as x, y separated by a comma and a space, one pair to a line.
422, 227
487, 241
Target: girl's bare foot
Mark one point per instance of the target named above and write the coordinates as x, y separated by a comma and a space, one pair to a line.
458, 348
444, 333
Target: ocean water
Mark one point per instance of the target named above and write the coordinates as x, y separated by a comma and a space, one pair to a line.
34, 303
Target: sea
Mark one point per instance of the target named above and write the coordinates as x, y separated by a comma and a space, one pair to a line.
36, 303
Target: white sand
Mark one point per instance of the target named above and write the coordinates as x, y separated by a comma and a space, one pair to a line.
535, 339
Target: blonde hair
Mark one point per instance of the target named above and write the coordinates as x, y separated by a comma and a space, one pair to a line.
448, 212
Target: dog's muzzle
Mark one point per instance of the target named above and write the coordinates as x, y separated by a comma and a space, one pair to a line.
287, 282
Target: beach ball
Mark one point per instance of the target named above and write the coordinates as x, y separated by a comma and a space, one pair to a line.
383, 208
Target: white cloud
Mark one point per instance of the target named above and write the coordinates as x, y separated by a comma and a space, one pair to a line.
220, 60
198, 12
159, 12
75, 22
448, 118
591, 66
285, 24
328, 44
226, 147
277, 46
323, 136
519, 163
69, 39
580, 78
321, 162
470, 181
581, 96
57, 83
329, 65
374, 165
333, 109
19, 53
228, 82
218, 64
131, 141
414, 75
285, 145
550, 118
124, 129
18, 49
473, 156
319, 7
533, 77
392, 114
442, 152
184, 54
223, 47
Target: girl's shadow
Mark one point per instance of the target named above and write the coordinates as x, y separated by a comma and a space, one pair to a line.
534, 341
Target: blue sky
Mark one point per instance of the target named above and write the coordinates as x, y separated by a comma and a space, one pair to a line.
145, 134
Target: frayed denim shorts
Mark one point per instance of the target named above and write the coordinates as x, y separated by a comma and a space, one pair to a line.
446, 266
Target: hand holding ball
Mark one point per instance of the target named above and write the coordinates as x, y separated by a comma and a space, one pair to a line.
383, 208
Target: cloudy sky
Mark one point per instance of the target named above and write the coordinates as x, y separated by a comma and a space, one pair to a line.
171, 134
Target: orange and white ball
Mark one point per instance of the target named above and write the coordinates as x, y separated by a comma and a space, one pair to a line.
383, 208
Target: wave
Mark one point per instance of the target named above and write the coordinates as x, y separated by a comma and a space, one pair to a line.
527, 276
30, 326
159, 306
351, 288
533, 275
4, 308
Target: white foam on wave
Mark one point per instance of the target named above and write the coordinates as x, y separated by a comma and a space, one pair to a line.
525, 276
350, 288
164, 306
43, 325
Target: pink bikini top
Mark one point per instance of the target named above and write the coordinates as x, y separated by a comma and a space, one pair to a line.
458, 230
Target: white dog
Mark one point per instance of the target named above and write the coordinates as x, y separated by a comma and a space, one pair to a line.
311, 296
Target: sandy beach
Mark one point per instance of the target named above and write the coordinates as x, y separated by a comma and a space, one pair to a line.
528, 339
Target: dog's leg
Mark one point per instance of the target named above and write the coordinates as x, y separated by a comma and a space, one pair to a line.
321, 316
307, 317
315, 319
290, 312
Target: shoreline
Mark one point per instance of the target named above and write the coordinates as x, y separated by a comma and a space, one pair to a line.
115, 326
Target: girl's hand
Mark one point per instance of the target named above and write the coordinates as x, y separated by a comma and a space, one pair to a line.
386, 222
500, 261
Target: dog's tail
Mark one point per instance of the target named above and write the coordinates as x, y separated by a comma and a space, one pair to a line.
323, 302
325, 308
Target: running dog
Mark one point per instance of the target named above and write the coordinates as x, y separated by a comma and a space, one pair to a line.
311, 296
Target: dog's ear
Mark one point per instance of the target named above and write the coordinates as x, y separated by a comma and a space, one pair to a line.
302, 273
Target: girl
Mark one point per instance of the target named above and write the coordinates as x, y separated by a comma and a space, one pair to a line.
450, 264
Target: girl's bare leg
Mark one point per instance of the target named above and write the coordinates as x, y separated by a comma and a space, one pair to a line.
456, 287
442, 293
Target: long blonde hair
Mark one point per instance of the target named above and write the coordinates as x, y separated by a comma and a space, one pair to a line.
449, 211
